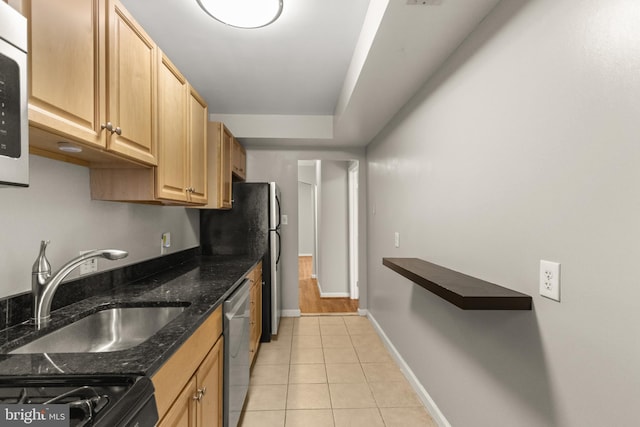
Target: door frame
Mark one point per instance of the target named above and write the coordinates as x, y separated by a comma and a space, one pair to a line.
353, 172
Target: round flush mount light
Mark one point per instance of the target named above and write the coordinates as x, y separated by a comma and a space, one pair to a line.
243, 13
69, 148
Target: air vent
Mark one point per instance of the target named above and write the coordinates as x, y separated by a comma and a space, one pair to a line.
424, 2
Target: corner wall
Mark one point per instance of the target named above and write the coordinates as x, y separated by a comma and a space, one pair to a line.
524, 146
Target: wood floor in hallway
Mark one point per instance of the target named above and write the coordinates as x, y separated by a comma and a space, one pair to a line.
309, 296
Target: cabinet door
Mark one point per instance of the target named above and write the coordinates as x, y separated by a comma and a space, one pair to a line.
171, 173
183, 411
66, 68
253, 314
255, 311
239, 160
225, 169
209, 382
197, 148
132, 106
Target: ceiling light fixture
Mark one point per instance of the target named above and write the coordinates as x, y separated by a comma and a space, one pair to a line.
243, 13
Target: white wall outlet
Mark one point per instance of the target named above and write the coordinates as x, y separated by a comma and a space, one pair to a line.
550, 279
166, 240
284, 219
397, 239
89, 266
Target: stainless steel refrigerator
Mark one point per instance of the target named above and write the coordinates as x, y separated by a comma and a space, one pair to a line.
252, 228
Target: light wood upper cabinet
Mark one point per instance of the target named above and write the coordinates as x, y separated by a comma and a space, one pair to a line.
198, 148
239, 161
67, 63
219, 144
181, 174
171, 173
132, 62
91, 66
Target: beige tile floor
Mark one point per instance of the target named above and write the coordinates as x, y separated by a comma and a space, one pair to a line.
329, 371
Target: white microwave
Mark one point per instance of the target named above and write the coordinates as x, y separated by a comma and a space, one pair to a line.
14, 122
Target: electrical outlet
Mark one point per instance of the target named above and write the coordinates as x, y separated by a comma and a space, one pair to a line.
284, 220
165, 243
89, 266
166, 240
397, 239
550, 279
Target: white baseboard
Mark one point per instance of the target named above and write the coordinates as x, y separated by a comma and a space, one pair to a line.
363, 312
305, 254
334, 294
331, 294
314, 276
291, 313
422, 393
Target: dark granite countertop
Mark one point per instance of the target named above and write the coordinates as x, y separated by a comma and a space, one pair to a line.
203, 282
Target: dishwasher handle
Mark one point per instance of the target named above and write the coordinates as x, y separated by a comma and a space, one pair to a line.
237, 300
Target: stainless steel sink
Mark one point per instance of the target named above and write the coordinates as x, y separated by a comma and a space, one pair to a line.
107, 330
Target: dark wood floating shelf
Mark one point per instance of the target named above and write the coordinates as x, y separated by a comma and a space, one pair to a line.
464, 291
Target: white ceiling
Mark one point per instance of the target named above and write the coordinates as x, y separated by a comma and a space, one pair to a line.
326, 73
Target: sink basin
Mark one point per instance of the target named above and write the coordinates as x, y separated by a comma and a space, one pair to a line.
107, 330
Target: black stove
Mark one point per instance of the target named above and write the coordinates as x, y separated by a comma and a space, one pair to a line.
105, 401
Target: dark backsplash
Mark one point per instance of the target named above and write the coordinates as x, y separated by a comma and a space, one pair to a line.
17, 308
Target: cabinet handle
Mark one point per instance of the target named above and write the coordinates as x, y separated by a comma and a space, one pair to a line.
199, 394
109, 126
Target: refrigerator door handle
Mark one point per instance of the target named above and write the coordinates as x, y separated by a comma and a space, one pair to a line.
278, 258
279, 213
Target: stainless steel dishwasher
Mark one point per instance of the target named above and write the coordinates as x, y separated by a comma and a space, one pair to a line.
236, 353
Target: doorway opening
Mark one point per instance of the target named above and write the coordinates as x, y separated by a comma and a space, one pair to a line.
328, 236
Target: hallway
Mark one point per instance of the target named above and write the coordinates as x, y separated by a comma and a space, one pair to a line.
309, 296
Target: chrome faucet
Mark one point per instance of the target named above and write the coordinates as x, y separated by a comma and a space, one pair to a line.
44, 284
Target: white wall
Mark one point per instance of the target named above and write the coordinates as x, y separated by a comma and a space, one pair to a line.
307, 172
58, 207
524, 146
333, 235
306, 238
281, 165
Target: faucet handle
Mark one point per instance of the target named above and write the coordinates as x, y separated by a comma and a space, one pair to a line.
42, 266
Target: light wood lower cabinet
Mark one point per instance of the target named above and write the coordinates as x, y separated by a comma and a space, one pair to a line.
189, 385
255, 314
